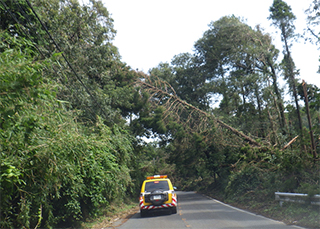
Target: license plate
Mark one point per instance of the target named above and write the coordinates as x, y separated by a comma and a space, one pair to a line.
157, 197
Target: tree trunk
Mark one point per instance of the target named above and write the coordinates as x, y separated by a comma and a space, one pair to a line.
292, 79
262, 130
155, 91
313, 147
273, 138
279, 97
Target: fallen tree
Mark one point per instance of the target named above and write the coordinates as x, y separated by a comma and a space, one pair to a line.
162, 93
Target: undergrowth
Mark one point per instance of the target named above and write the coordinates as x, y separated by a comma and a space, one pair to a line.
108, 215
252, 188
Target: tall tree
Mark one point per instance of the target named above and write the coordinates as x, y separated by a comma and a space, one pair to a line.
283, 18
269, 56
185, 77
236, 60
313, 22
95, 81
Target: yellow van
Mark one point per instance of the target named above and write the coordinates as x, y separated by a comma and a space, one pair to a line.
157, 193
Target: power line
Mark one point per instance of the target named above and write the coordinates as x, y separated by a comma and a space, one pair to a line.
92, 113
23, 30
68, 63
27, 17
57, 46
64, 57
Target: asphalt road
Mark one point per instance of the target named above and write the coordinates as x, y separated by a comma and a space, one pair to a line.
198, 211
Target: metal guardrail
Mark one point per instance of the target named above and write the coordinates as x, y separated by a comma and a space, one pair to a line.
297, 198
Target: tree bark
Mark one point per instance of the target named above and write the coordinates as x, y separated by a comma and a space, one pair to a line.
279, 97
313, 147
293, 140
292, 78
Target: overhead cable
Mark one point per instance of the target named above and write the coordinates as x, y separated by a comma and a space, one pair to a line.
64, 57
92, 113
21, 27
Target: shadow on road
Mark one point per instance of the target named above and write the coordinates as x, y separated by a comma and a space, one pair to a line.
152, 214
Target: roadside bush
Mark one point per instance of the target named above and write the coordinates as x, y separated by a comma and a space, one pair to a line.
54, 170
243, 182
271, 172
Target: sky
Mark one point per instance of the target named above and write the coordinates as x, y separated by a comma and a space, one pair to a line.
152, 31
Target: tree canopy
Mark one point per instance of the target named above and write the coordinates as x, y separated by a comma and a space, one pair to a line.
74, 116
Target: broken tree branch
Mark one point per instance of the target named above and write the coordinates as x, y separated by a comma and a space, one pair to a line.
292, 141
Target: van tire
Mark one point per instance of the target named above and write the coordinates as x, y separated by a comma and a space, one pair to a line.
143, 213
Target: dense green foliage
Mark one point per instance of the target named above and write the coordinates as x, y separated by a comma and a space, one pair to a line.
72, 115
52, 168
65, 151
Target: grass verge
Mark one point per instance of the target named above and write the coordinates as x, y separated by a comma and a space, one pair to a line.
116, 211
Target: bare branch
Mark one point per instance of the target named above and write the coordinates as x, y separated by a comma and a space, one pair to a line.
314, 34
292, 141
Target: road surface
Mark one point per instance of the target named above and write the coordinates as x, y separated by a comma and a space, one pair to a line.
198, 211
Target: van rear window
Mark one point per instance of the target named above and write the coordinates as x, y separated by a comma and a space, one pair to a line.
156, 185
